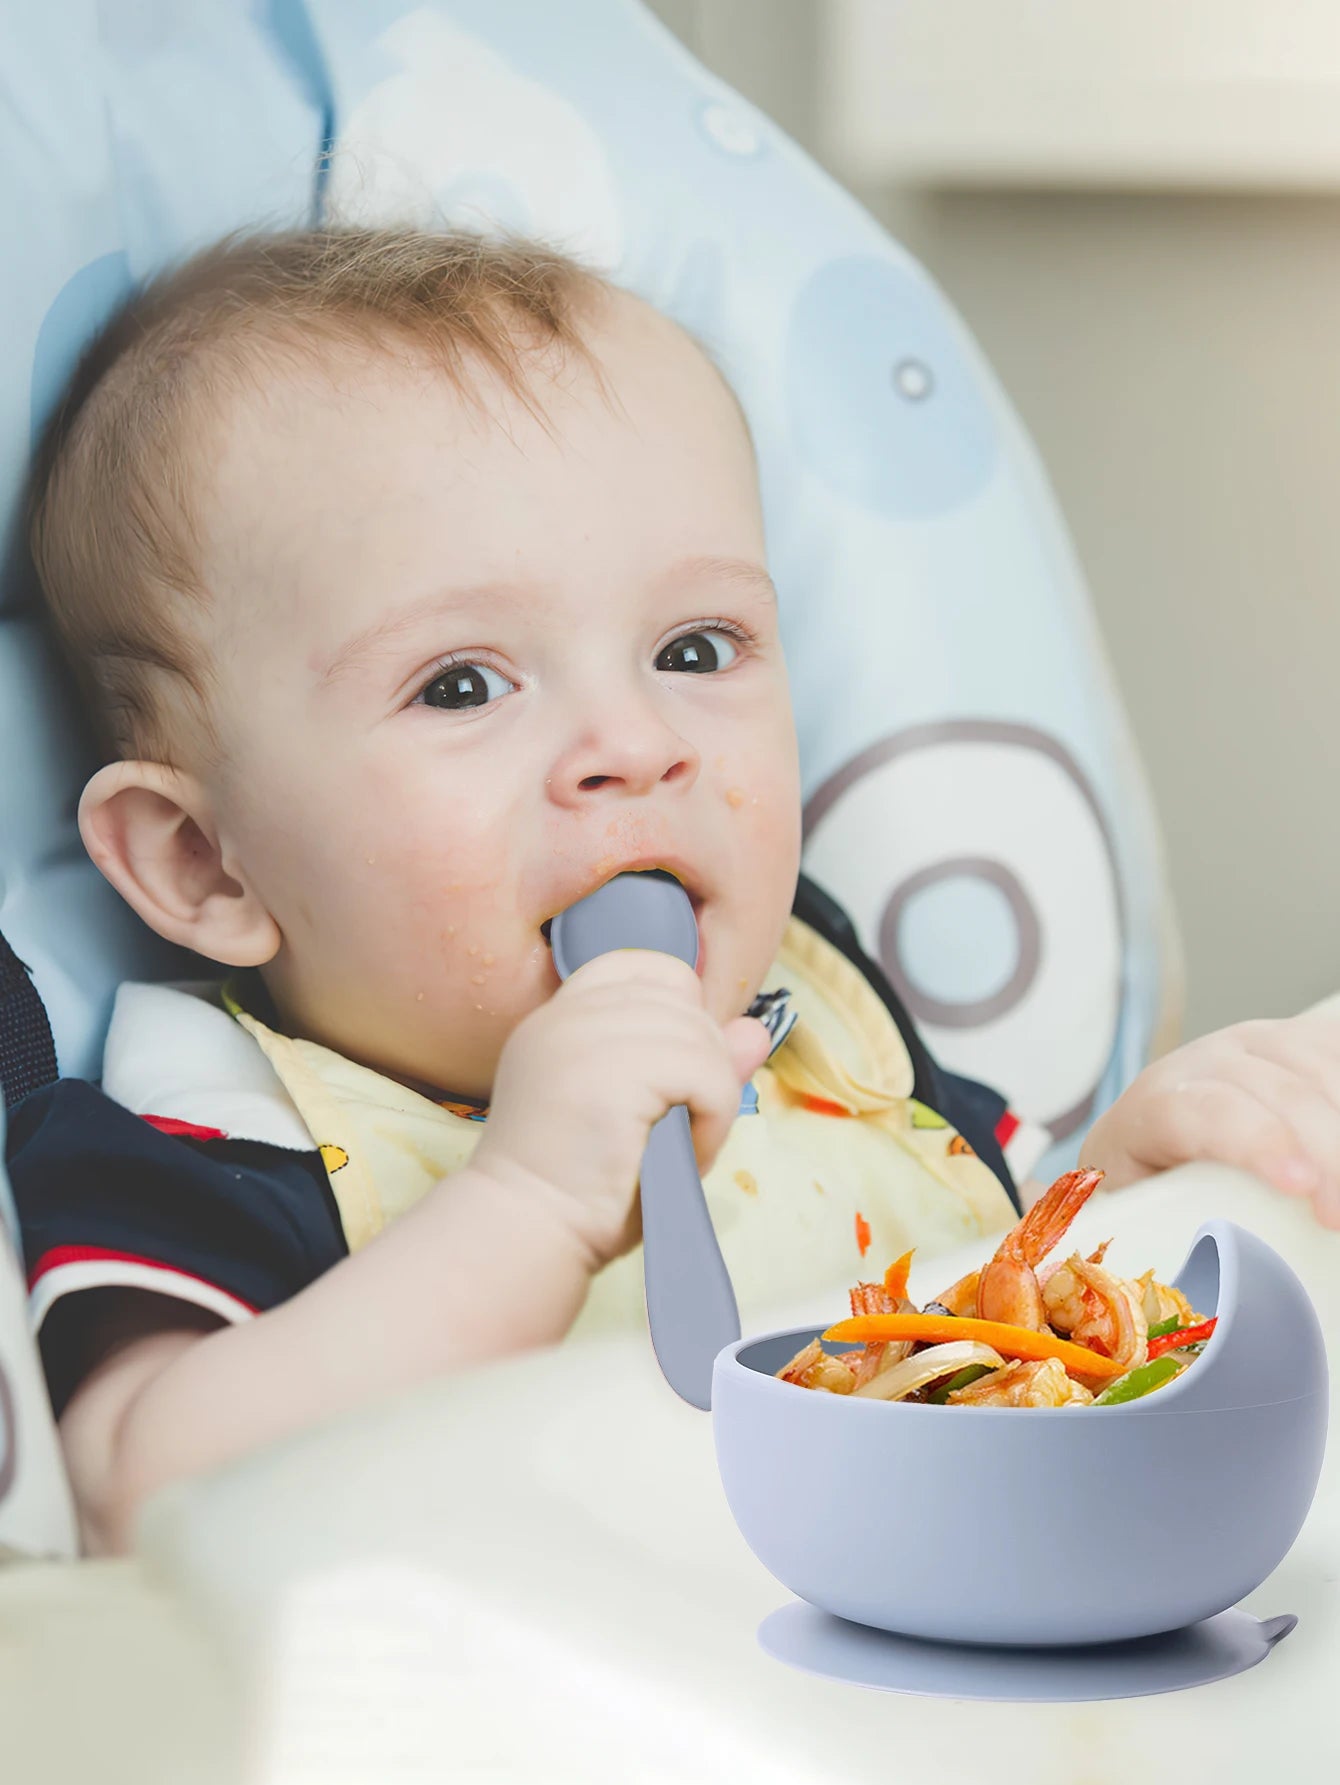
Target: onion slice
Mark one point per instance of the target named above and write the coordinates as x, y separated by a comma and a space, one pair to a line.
905, 1378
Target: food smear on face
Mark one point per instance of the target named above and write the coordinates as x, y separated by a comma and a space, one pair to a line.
1017, 1332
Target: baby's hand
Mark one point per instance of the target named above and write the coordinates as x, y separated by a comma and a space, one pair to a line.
1262, 1095
583, 1078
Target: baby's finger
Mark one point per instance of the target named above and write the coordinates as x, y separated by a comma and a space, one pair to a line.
1310, 1049
713, 1096
638, 966
1310, 1113
749, 1043
1327, 1204
1211, 1119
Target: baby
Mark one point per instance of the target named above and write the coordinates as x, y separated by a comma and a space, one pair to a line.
416, 585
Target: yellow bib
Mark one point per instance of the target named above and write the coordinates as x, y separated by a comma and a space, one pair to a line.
839, 1161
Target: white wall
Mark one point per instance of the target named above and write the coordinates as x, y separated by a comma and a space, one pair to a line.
1176, 357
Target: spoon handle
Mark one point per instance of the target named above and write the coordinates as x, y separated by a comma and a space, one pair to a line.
691, 1306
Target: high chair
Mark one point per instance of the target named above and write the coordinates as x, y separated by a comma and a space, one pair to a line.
972, 798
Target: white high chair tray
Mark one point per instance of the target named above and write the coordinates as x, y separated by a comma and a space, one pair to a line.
531, 1573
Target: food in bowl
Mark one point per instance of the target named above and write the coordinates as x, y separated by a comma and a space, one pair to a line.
1037, 1526
1015, 1333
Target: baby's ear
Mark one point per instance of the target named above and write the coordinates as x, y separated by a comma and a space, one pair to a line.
150, 829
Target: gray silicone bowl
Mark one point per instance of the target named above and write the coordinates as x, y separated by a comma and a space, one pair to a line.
1041, 1526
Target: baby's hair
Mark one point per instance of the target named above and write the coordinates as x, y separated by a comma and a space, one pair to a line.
113, 524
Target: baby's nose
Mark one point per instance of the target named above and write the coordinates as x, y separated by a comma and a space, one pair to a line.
628, 748
631, 790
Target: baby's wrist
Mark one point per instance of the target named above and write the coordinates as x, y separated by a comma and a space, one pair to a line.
540, 1204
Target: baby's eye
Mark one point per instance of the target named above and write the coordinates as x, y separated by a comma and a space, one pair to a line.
693, 653
456, 686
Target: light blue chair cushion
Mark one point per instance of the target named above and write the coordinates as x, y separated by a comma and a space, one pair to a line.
971, 795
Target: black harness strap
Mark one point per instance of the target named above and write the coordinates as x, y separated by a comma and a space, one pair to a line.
972, 1108
27, 1052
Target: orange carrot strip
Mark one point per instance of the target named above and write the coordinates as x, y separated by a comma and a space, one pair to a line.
823, 1106
862, 1233
895, 1278
1010, 1341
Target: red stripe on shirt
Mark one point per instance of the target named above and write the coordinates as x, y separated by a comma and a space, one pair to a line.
1006, 1128
62, 1255
189, 1130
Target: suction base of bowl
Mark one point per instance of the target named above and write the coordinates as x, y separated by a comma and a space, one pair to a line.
1214, 1649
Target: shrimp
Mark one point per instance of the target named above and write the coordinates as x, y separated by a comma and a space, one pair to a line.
1095, 1257
814, 1368
1007, 1288
1041, 1384
888, 1297
1164, 1301
1097, 1310
960, 1298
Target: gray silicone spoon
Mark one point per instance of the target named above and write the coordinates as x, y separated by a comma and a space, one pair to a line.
690, 1302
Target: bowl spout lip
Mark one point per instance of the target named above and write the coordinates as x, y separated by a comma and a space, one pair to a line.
1198, 1390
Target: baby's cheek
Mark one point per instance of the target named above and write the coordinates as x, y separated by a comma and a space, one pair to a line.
761, 799
461, 918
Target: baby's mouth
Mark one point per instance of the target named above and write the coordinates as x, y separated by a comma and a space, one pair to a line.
658, 873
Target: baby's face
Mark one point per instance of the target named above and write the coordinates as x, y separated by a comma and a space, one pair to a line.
475, 661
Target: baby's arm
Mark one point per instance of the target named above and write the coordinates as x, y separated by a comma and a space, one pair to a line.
485, 1265
495, 1259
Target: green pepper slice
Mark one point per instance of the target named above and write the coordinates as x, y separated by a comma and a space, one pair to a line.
1141, 1381
969, 1373
1171, 1325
